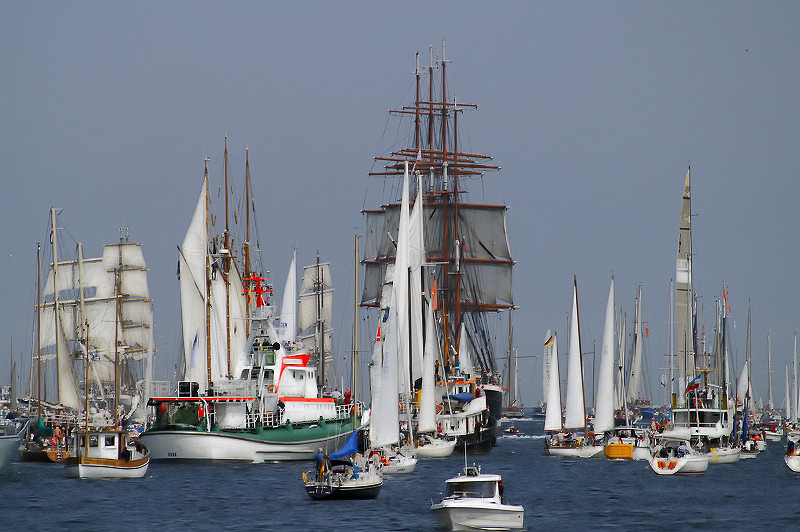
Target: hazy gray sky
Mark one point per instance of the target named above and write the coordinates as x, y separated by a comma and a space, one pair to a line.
593, 110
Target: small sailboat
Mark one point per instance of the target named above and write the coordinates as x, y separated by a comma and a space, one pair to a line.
669, 459
344, 475
474, 501
792, 456
561, 438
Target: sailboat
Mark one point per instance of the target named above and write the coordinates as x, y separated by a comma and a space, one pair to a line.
246, 393
467, 254
702, 413
389, 377
620, 442
564, 440
512, 406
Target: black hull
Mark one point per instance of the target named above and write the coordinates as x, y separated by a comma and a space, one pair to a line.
480, 443
326, 491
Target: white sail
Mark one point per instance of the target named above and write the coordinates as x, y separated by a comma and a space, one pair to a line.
742, 388
465, 360
546, 369
384, 416
193, 255
238, 317
552, 419
427, 401
575, 414
400, 296
604, 406
788, 400
288, 329
683, 292
635, 380
416, 258
315, 308
619, 395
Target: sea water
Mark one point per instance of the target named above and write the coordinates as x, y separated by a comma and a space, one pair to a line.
557, 493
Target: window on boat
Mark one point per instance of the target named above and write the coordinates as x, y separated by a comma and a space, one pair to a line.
470, 489
268, 374
93, 441
298, 375
110, 441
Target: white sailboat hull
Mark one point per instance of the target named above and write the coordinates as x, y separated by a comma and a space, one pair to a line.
399, 465
581, 451
436, 449
723, 455
181, 445
793, 462
692, 464
472, 515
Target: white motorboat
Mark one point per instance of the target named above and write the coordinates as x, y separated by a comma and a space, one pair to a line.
474, 501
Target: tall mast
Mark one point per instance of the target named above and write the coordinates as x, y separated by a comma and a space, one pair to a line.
208, 286
117, 274
247, 274
320, 326
355, 324
226, 268
59, 355
770, 403
38, 331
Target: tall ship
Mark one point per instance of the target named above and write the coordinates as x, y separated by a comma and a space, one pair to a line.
91, 311
466, 267
249, 388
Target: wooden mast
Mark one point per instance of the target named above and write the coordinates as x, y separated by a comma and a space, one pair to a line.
54, 236
226, 268
208, 287
117, 272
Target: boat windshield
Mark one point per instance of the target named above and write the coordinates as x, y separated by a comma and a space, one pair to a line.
471, 489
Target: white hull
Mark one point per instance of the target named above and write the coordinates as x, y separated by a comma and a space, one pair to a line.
582, 451
402, 464
105, 471
8, 444
793, 462
472, 515
692, 464
181, 445
436, 449
723, 455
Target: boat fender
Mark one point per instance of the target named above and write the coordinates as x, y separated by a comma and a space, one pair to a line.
304, 477
271, 388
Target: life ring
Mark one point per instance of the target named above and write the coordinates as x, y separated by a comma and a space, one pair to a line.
271, 388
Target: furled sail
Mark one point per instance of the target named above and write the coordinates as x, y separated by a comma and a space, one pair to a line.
683, 292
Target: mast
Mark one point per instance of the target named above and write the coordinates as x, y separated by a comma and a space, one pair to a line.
320, 327
770, 403
246, 247
208, 285
355, 323
683, 289
59, 355
39, 331
117, 274
226, 268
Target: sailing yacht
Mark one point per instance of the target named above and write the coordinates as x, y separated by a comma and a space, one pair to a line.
702, 413
563, 439
247, 393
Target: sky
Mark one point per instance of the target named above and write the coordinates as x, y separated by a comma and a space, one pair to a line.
594, 111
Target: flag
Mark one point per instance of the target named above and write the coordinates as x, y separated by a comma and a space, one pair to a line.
694, 384
435, 302
646, 332
179, 269
549, 341
725, 298
378, 335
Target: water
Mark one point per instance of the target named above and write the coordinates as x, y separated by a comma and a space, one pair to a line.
557, 493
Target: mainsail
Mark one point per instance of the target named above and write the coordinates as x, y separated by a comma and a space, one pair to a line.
604, 407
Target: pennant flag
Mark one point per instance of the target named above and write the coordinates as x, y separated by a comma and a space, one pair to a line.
378, 335
646, 332
694, 384
725, 298
179, 269
433, 296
